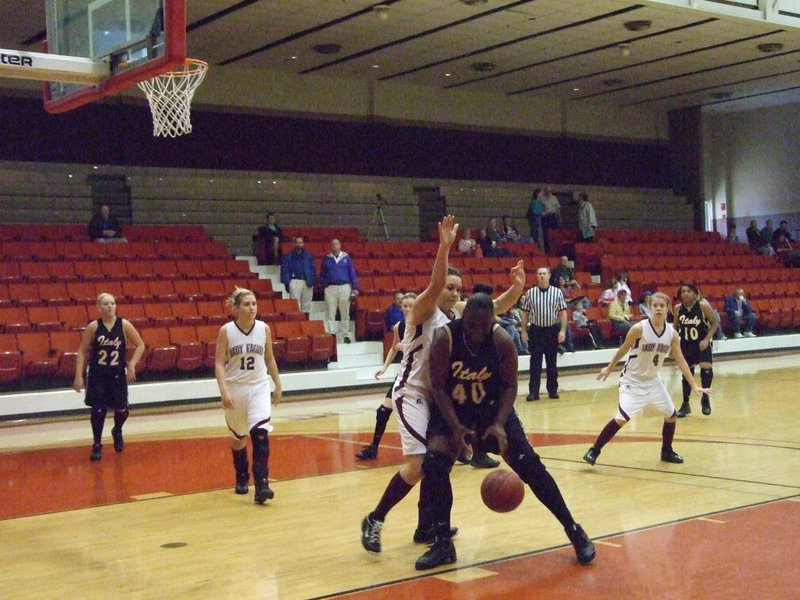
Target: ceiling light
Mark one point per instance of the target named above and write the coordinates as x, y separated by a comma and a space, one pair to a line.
473, 2
624, 48
637, 25
770, 47
721, 95
382, 10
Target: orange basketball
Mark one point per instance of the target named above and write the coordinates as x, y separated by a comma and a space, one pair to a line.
502, 491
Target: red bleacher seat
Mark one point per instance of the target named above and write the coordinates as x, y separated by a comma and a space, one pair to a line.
65, 344
37, 360
33, 271
213, 311
44, 318
186, 313
297, 344
162, 290
190, 349
161, 354
208, 334
74, 317
323, 344
160, 314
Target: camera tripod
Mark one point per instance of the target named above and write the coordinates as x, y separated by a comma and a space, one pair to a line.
378, 220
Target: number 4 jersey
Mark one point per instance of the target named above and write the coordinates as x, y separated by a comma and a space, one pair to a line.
244, 363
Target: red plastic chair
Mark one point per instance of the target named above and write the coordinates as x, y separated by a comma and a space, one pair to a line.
323, 344
65, 344
190, 349
14, 319
74, 317
162, 290
161, 354
37, 359
297, 344
186, 313
44, 318
160, 314
55, 293
207, 334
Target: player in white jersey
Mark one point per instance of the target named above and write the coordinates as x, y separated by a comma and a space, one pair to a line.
437, 305
244, 364
640, 386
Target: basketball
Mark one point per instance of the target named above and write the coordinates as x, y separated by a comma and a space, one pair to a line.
502, 491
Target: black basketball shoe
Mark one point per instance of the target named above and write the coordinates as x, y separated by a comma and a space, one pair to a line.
442, 552
428, 535
263, 493
584, 548
97, 452
367, 453
241, 484
671, 456
371, 534
119, 443
705, 405
591, 455
684, 410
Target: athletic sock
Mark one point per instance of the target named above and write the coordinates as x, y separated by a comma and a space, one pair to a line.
667, 433
609, 431
381, 419
706, 377
687, 387
120, 417
97, 419
395, 491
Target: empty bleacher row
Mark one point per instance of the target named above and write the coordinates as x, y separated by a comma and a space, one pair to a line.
75, 232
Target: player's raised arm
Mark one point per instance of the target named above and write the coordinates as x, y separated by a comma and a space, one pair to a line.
426, 302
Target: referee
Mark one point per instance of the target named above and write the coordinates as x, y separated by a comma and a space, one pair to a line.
544, 327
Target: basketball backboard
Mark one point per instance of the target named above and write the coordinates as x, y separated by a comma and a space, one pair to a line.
135, 39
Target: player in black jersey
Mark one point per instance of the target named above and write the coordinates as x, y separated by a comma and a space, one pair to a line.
694, 319
473, 370
110, 371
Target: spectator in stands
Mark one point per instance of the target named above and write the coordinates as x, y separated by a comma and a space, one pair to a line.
644, 305
781, 245
620, 314
564, 270
395, 314
753, 236
551, 218
732, 237
534, 214
490, 249
270, 237
609, 294
104, 225
767, 233
621, 283
468, 246
338, 277
584, 322
494, 232
740, 313
510, 232
298, 273
587, 220
571, 295
784, 227
511, 322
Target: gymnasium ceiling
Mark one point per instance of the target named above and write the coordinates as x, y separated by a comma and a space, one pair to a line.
572, 50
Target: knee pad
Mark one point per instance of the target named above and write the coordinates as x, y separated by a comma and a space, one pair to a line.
98, 414
260, 438
436, 463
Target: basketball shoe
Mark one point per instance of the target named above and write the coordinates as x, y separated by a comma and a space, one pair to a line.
97, 452
671, 456
119, 443
367, 453
371, 534
584, 548
684, 410
263, 493
591, 455
442, 552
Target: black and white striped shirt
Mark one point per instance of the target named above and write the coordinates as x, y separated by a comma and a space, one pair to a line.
543, 306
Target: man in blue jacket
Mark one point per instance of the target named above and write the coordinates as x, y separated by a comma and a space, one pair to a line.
338, 278
297, 274
740, 312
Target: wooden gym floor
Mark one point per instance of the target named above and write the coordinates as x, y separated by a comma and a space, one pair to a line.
160, 520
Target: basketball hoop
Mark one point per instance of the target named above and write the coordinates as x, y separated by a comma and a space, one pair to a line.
170, 97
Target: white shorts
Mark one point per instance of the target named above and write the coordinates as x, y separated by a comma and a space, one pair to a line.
413, 415
648, 398
252, 405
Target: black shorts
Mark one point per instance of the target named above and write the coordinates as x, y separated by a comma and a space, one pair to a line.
109, 392
693, 355
517, 440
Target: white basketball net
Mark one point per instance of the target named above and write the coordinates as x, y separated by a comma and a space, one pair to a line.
170, 97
